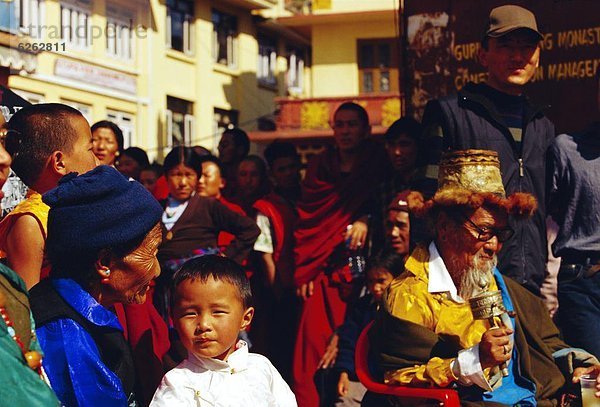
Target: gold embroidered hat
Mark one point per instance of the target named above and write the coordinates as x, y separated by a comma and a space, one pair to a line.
472, 178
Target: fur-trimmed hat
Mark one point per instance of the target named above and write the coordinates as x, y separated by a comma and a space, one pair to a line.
471, 178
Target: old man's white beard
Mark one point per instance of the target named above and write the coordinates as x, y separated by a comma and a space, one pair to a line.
477, 277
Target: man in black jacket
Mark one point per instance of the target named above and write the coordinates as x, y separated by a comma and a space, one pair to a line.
497, 116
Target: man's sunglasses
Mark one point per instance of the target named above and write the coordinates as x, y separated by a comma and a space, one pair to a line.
485, 233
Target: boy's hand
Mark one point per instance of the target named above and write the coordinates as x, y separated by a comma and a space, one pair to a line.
343, 384
330, 354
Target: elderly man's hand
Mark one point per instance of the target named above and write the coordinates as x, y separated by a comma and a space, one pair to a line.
495, 347
591, 370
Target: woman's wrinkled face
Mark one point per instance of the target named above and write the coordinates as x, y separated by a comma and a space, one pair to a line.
130, 276
182, 181
106, 147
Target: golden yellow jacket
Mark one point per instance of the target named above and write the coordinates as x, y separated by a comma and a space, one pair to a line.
418, 333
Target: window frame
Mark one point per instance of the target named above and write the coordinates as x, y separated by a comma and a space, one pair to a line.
266, 71
377, 71
188, 27
231, 42
294, 76
126, 122
85, 109
220, 125
189, 122
123, 40
82, 8
31, 15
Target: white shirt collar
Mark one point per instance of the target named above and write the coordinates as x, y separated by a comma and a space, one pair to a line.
440, 280
236, 362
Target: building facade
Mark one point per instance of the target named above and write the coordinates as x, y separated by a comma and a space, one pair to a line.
355, 51
167, 72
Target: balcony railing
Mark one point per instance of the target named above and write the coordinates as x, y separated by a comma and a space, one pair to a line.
316, 114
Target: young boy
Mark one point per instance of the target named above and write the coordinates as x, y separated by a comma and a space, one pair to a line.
382, 269
211, 305
46, 141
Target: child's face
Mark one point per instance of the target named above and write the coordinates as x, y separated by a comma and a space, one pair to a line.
209, 316
378, 279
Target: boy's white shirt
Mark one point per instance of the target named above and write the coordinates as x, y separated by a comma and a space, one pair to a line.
245, 379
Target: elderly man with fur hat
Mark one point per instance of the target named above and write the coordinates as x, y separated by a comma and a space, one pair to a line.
426, 333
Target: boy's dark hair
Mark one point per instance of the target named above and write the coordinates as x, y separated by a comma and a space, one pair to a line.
34, 133
240, 139
404, 125
138, 155
185, 156
215, 160
155, 168
261, 166
363, 116
107, 124
388, 260
280, 149
218, 267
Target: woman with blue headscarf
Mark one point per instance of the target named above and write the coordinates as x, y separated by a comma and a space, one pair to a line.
103, 236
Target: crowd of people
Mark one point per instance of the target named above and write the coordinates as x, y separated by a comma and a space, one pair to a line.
229, 279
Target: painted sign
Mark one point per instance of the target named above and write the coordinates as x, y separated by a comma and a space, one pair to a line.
95, 75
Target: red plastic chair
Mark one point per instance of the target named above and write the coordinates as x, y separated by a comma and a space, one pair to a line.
446, 397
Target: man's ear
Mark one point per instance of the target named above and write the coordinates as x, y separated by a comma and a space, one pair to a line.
247, 318
57, 163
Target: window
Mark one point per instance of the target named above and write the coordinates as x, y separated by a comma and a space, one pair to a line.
223, 120
86, 110
76, 23
225, 33
180, 25
267, 61
125, 123
180, 122
33, 98
295, 71
378, 65
30, 17
119, 35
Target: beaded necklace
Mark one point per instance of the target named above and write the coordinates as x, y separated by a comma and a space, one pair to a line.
33, 358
